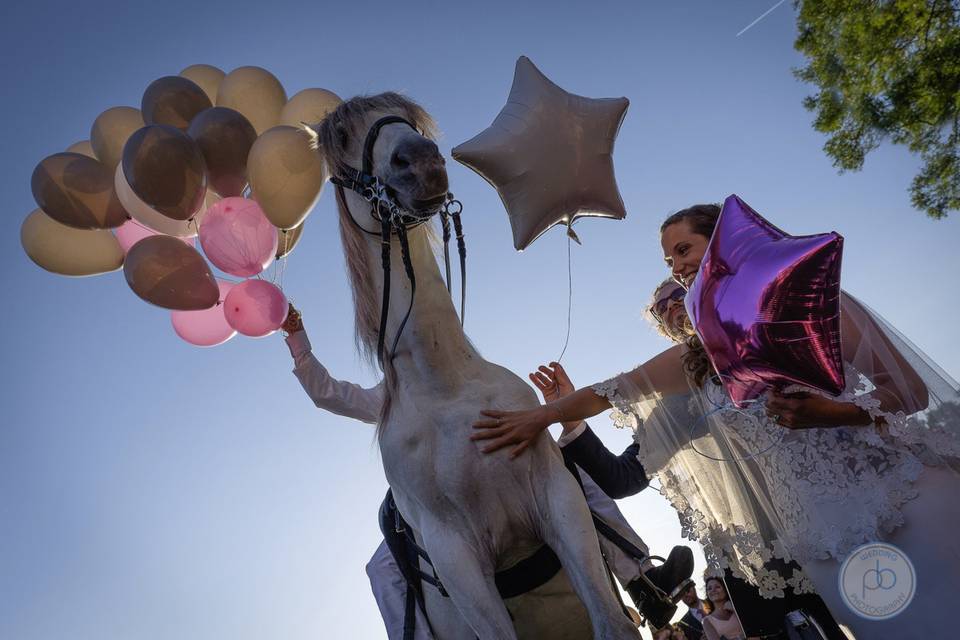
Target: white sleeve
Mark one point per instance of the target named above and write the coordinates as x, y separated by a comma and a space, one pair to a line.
336, 396
568, 437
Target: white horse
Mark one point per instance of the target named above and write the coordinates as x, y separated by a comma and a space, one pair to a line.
475, 514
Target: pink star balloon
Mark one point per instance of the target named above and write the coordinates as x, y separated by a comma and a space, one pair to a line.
766, 305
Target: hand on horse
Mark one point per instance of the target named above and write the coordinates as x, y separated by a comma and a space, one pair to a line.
293, 322
506, 428
554, 383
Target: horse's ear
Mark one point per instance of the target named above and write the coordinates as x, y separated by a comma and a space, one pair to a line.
312, 133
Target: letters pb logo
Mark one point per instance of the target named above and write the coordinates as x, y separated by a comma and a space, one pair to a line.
877, 581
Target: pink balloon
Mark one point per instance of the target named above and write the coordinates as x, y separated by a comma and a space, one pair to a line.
131, 232
207, 327
255, 308
237, 237
766, 305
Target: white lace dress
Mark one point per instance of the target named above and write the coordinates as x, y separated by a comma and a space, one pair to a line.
749, 490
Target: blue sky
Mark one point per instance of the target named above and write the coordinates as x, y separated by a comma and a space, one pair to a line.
149, 489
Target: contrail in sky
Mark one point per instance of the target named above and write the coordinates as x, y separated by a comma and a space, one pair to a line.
764, 15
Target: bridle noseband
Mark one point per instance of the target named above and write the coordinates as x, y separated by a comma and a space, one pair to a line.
394, 219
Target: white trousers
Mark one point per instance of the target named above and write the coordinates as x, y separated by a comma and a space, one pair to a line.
390, 589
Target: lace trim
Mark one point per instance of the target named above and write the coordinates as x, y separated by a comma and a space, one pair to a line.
623, 415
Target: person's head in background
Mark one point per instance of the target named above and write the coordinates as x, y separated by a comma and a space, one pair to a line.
716, 593
666, 311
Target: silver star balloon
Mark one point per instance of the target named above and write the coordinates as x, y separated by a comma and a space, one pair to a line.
549, 154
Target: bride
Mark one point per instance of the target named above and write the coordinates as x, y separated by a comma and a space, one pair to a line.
801, 477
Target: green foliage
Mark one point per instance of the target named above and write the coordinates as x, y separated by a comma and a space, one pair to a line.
887, 70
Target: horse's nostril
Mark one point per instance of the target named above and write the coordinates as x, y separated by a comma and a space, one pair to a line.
399, 160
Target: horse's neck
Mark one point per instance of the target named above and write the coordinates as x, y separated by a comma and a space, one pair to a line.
433, 349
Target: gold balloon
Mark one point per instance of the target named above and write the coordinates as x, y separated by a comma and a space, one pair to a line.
309, 106
207, 78
84, 148
549, 154
165, 168
166, 272
288, 239
68, 251
254, 92
286, 175
110, 132
77, 191
174, 101
150, 217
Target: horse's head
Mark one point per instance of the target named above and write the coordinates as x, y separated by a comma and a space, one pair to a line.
402, 156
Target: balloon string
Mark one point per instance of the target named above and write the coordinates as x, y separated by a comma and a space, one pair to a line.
566, 341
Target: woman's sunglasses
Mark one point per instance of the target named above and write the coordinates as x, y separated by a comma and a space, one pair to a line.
660, 306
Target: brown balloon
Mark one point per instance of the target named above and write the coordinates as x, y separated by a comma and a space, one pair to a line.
110, 132
224, 137
168, 273
173, 101
549, 154
207, 78
165, 169
288, 239
286, 175
68, 251
77, 191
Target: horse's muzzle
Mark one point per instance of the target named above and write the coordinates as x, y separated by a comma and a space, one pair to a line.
418, 174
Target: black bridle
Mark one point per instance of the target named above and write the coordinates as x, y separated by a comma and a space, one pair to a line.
394, 219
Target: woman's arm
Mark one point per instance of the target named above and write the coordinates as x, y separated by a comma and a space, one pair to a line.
328, 393
336, 396
865, 344
898, 387
520, 428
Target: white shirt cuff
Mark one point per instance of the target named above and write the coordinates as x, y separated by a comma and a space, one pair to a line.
569, 436
298, 343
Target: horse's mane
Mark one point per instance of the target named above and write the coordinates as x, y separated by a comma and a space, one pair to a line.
332, 138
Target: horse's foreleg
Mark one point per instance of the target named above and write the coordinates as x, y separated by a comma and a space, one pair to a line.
469, 581
568, 529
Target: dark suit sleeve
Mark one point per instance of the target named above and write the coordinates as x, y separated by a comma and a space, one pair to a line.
617, 476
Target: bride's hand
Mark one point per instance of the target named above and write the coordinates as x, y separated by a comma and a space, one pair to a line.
807, 410
505, 428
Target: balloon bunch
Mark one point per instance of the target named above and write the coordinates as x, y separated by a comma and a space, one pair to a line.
211, 154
